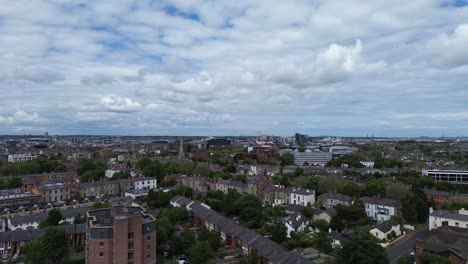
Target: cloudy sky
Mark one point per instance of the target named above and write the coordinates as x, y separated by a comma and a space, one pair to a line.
223, 67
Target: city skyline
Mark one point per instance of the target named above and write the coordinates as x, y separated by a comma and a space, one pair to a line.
219, 68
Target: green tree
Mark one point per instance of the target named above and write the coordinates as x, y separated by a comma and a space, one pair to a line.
351, 189
14, 182
99, 205
323, 243
121, 175
201, 170
52, 248
433, 259
408, 208
396, 190
287, 159
278, 232
54, 217
330, 184
362, 249
211, 237
79, 219
201, 253
375, 187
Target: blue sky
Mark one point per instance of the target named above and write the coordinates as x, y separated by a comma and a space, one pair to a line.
193, 67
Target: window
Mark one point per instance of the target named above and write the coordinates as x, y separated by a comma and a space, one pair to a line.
456, 224
101, 244
148, 238
148, 247
130, 235
130, 255
101, 254
130, 245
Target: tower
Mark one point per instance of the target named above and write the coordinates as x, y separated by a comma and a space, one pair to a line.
181, 155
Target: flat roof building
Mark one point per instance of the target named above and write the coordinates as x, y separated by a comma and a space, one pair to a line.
451, 176
120, 235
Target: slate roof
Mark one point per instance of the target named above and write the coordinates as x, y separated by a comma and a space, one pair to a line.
336, 196
295, 220
385, 227
23, 235
455, 215
180, 200
447, 239
380, 201
38, 217
265, 247
436, 193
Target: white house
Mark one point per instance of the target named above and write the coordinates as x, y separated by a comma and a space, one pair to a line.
437, 218
384, 230
380, 209
302, 197
295, 223
368, 164
145, 183
21, 157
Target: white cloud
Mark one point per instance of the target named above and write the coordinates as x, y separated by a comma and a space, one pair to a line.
21, 116
119, 104
39, 75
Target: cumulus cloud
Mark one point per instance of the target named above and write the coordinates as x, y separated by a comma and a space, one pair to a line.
21, 116
119, 104
183, 66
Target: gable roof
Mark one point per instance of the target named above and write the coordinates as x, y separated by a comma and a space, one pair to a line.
386, 226
380, 201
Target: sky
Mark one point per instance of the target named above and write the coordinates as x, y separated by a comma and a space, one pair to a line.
223, 67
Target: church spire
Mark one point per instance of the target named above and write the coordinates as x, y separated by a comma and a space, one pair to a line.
181, 155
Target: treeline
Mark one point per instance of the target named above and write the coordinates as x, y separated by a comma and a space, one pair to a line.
41, 165
354, 161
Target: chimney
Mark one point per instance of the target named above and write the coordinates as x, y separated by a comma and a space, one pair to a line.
463, 211
329, 230
431, 210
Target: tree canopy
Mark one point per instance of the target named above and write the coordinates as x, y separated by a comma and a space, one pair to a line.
362, 249
52, 248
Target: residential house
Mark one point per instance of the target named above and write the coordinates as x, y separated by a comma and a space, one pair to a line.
337, 238
14, 197
53, 192
438, 218
302, 197
438, 197
380, 209
330, 199
326, 215
446, 241
226, 185
295, 223
145, 183
386, 230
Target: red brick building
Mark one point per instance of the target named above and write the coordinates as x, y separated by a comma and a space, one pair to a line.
439, 198
120, 235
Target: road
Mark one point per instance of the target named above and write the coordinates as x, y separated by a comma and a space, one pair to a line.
395, 252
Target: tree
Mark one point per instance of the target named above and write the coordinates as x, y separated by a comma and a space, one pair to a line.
14, 182
408, 208
396, 190
99, 205
307, 212
201, 170
278, 232
362, 249
351, 189
375, 187
52, 248
79, 219
212, 238
323, 243
54, 217
330, 184
201, 253
121, 175
287, 159
433, 259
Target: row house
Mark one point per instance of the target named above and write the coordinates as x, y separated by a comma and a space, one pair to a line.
105, 187
257, 186
199, 184
438, 197
53, 192
15, 197
330, 200
31, 221
438, 218
275, 196
238, 237
14, 241
226, 185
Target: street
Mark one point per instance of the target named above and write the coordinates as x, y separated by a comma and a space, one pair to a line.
405, 248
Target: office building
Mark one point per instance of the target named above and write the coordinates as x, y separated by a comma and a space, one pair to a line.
452, 176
